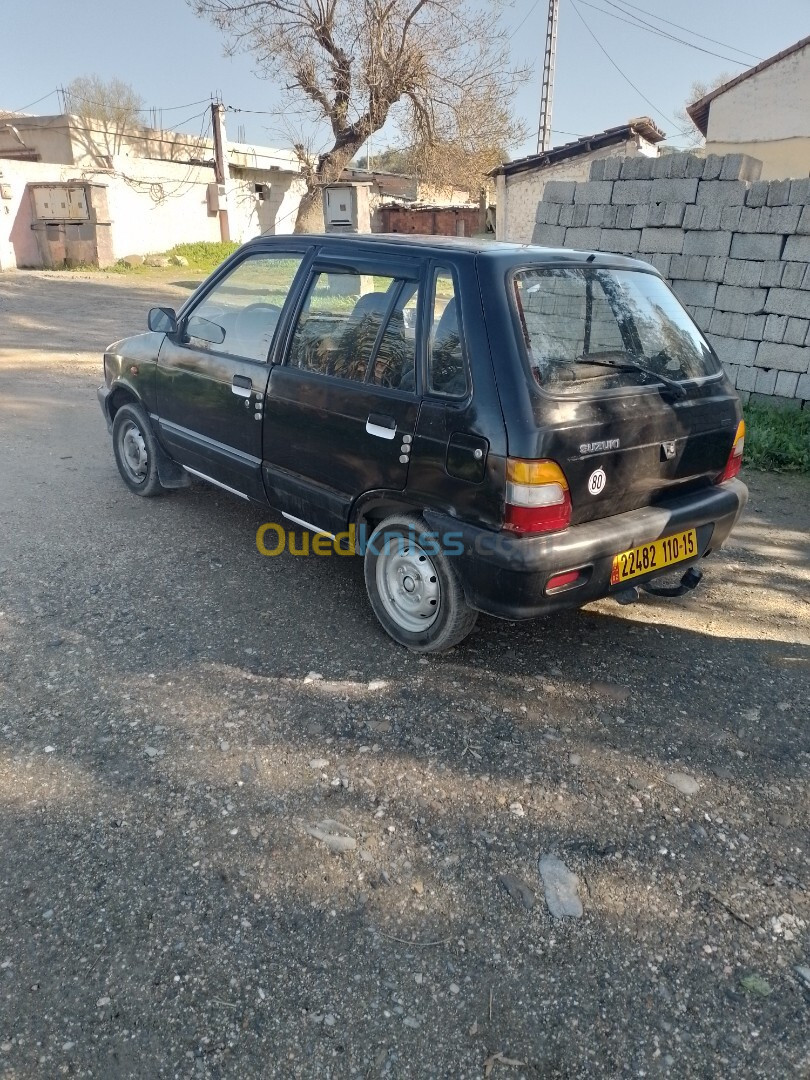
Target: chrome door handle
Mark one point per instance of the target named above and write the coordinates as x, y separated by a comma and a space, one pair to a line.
242, 386
384, 427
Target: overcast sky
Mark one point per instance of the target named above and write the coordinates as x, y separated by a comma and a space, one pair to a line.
174, 59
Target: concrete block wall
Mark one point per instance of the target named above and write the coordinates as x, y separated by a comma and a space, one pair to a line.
734, 249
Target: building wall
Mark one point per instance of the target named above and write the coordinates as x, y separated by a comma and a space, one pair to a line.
782, 159
152, 205
517, 195
734, 248
431, 221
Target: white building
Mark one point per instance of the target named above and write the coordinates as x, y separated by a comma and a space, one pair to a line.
765, 112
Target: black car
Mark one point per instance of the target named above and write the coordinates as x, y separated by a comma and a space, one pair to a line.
493, 427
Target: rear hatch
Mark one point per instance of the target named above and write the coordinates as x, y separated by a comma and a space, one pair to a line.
632, 402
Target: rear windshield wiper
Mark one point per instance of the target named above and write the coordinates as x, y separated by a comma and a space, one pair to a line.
632, 365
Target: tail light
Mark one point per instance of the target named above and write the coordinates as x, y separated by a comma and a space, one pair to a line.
537, 497
734, 463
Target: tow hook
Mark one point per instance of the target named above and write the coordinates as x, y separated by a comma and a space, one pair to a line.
690, 581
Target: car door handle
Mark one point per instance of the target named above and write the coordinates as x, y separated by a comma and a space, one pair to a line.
242, 386
384, 427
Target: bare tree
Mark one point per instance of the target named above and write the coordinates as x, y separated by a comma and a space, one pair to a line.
693, 135
439, 68
112, 101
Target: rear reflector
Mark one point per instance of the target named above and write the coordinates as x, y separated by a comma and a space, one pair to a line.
735, 458
537, 497
561, 580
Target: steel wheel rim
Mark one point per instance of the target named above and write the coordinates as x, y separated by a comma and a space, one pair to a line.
408, 584
133, 451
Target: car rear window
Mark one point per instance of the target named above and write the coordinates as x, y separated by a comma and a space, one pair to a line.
597, 329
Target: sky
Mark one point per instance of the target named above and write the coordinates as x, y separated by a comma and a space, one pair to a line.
176, 61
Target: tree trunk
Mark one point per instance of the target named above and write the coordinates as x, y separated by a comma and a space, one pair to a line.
330, 167
310, 212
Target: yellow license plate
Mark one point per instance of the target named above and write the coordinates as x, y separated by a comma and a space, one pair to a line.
655, 556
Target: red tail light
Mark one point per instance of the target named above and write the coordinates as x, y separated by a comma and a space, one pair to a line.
735, 458
537, 497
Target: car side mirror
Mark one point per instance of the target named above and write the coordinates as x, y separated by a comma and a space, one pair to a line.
205, 330
162, 320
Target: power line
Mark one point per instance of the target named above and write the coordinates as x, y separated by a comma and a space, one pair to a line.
694, 33
43, 98
528, 14
582, 19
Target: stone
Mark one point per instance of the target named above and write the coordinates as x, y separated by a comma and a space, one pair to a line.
319, 763
804, 974
518, 889
150, 751
575, 759
759, 246
158, 261
755, 984
707, 243
313, 676
334, 835
734, 298
179, 260
771, 354
132, 260
683, 782
561, 888
516, 808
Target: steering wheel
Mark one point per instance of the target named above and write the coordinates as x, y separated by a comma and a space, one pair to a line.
254, 329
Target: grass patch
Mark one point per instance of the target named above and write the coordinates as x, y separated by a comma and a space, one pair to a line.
204, 254
777, 440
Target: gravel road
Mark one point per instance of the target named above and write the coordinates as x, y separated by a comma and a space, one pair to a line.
188, 730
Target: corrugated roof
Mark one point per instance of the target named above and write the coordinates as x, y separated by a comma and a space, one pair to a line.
699, 110
640, 125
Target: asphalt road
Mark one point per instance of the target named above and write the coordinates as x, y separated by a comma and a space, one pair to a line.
177, 713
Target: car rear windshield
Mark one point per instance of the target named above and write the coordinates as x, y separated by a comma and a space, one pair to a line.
592, 329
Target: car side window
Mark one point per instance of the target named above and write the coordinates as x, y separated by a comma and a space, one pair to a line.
359, 327
240, 314
447, 368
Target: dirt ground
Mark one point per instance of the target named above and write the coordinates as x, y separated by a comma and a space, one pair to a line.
177, 713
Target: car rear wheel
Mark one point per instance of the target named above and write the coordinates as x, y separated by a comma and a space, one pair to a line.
136, 453
413, 587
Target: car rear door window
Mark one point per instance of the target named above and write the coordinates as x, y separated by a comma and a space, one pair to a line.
240, 314
359, 327
447, 368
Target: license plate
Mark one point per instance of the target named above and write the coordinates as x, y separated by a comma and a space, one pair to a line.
654, 556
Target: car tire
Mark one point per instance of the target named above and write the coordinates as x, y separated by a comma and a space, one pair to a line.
136, 451
413, 587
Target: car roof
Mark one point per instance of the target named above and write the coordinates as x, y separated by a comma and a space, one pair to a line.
508, 253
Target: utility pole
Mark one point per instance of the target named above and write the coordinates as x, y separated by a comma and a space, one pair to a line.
222, 172
547, 86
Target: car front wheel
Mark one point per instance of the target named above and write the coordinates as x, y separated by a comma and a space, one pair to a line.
136, 451
413, 587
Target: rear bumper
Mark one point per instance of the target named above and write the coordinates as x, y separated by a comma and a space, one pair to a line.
506, 576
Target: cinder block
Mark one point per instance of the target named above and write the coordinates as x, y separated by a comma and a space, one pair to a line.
674, 191
662, 263
624, 217
800, 191
766, 382
695, 268
758, 246
720, 323
644, 167
548, 235
715, 268
710, 219
674, 215
750, 219
667, 241
730, 217
733, 350
655, 215
778, 192
631, 192
784, 357
775, 327
701, 315
722, 193
780, 219
796, 333
694, 166
585, 239
548, 213
559, 191
806, 279
773, 400
598, 169
803, 228
792, 275
580, 216
771, 273
740, 167
678, 265
677, 166
596, 216
746, 301
692, 216
567, 214
712, 164
794, 302
786, 383
641, 215
797, 248
755, 327
706, 243
660, 166
732, 370
803, 388
629, 168
622, 241
593, 191
746, 378
613, 168
695, 293
757, 194
742, 272
610, 217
